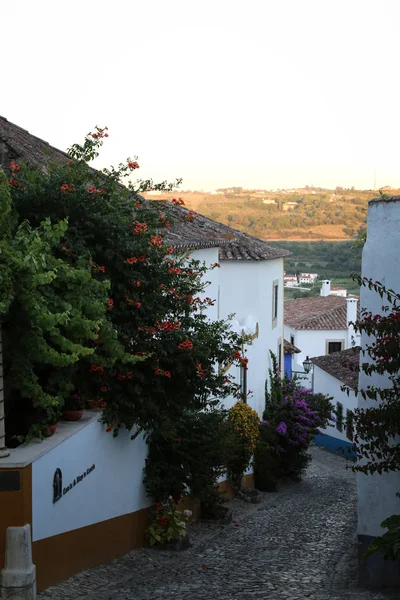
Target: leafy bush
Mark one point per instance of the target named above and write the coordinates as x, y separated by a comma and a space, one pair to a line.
109, 309
292, 414
389, 542
266, 460
189, 459
244, 423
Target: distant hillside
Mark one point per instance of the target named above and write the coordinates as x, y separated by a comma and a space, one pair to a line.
299, 214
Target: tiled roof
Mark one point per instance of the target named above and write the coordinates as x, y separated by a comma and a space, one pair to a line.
289, 348
342, 365
16, 142
201, 232
316, 312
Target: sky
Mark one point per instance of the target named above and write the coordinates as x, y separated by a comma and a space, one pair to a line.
263, 94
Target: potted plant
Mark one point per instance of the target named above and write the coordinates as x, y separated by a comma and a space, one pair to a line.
49, 423
73, 408
167, 530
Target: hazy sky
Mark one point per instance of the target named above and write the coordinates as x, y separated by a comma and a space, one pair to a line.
256, 93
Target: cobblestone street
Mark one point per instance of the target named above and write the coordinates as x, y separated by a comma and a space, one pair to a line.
298, 543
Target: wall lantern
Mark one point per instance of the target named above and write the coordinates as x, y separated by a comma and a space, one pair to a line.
307, 364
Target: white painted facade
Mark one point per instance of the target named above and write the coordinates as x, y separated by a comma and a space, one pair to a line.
381, 262
246, 289
104, 493
324, 383
313, 342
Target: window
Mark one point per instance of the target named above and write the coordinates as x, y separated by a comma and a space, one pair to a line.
339, 416
349, 425
292, 340
275, 302
280, 356
243, 383
333, 346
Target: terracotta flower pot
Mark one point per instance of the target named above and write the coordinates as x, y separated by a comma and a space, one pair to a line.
49, 430
72, 415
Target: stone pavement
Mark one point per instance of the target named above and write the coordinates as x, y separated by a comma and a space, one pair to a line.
297, 544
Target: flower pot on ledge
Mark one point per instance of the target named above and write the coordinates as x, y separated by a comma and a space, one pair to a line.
72, 415
49, 430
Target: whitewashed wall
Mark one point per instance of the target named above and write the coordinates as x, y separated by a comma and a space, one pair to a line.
380, 261
325, 383
210, 257
113, 488
246, 289
312, 343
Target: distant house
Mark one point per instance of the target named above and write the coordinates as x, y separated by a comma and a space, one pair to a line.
308, 277
290, 280
319, 325
331, 373
338, 291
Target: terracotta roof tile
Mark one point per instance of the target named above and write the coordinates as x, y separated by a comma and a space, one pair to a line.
289, 348
342, 365
16, 143
316, 312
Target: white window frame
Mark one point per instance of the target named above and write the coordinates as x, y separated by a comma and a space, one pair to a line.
336, 341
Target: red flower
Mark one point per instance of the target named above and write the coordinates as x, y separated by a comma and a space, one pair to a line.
102, 404
138, 283
178, 202
64, 187
133, 165
204, 567
110, 304
96, 368
121, 376
14, 166
215, 265
187, 345
139, 227
156, 240
167, 374
104, 388
92, 189
169, 250
132, 260
141, 258
109, 428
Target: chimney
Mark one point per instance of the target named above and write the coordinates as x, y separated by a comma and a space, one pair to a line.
326, 287
353, 338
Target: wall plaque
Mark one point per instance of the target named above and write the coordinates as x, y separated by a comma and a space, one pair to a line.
10, 481
59, 491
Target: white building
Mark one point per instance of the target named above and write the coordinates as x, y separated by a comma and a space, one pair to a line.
338, 291
330, 373
308, 277
377, 493
320, 325
290, 280
248, 284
